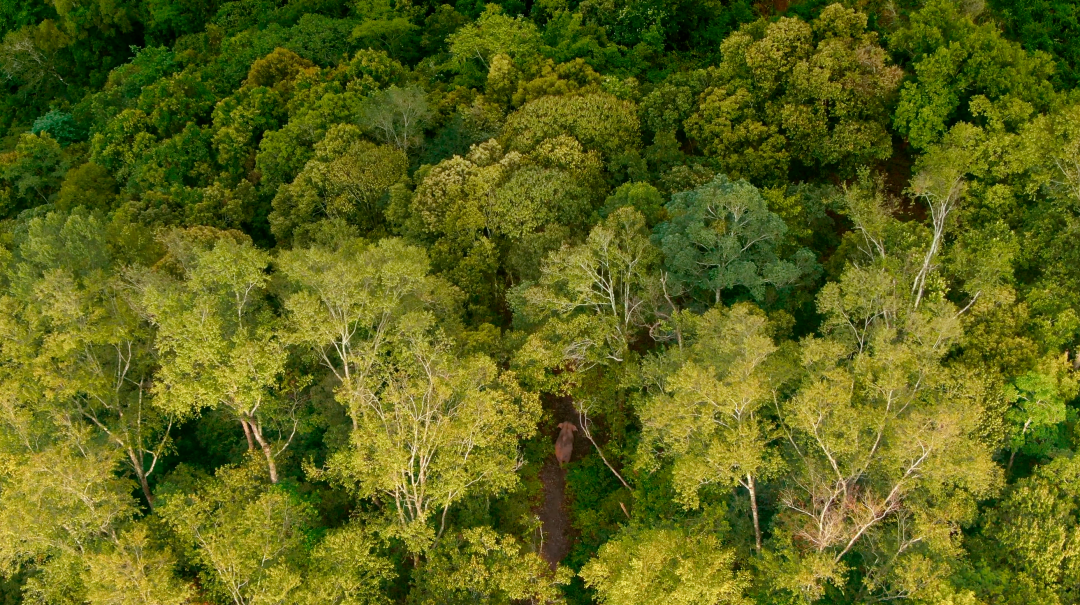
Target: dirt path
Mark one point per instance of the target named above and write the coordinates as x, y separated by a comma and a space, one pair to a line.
553, 513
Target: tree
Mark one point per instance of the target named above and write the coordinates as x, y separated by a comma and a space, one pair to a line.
60, 126
346, 180
655, 565
598, 121
481, 564
722, 236
84, 354
426, 430
135, 571
29, 60
398, 116
643, 197
89, 185
246, 536
386, 28
218, 344
957, 60
34, 169
880, 423
939, 183
61, 500
591, 303
707, 411
493, 34
816, 92
348, 302
433, 428
345, 567
1033, 534
1037, 406
1048, 26
597, 294
240, 120
497, 209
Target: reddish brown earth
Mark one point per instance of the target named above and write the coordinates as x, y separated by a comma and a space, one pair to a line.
553, 512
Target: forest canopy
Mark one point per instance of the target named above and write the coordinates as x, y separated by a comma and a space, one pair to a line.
613, 302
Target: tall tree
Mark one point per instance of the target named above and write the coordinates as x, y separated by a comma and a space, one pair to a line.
434, 428
722, 237
218, 341
656, 565
881, 423
83, 351
707, 406
348, 300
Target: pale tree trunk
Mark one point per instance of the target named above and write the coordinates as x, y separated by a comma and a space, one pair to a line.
247, 433
583, 420
256, 432
136, 464
753, 510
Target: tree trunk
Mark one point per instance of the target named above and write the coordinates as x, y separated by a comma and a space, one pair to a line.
247, 433
270, 462
753, 511
267, 450
137, 465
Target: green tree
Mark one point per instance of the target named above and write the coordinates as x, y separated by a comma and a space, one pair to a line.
135, 571
90, 186
83, 347
707, 411
816, 92
643, 197
59, 503
497, 209
722, 236
398, 116
592, 303
60, 126
599, 121
219, 345
434, 428
492, 34
956, 60
345, 567
480, 564
1031, 538
246, 536
596, 296
867, 464
34, 169
347, 302
1037, 406
346, 180
654, 565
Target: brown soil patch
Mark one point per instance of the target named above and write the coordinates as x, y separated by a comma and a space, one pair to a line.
553, 513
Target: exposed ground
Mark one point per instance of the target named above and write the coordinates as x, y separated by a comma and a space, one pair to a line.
553, 512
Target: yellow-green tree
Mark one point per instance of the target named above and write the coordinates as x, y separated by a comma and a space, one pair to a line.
433, 429
707, 408
816, 92
655, 566
345, 181
218, 342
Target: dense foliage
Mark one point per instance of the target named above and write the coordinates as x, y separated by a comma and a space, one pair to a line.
295, 293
